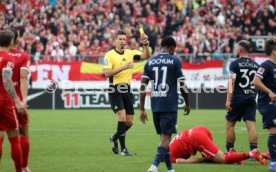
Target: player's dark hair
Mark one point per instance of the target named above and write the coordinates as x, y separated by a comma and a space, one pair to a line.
245, 44
120, 32
168, 42
15, 32
6, 36
270, 45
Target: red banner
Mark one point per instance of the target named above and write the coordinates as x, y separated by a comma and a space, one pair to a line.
75, 71
83, 71
56, 71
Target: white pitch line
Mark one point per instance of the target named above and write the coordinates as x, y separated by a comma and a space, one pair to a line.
239, 130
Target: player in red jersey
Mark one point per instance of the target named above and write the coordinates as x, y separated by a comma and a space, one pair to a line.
9, 100
20, 79
200, 139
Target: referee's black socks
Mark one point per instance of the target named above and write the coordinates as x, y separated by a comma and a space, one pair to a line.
116, 136
121, 132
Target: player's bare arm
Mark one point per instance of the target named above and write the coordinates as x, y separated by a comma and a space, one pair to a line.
190, 160
9, 87
112, 72
259, 84
24, 82
143, 87
185, 93
7, 74
146, 51
230, 90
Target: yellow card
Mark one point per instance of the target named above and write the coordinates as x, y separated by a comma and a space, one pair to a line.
141, 30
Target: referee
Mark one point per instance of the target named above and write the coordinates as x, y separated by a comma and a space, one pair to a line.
118, 66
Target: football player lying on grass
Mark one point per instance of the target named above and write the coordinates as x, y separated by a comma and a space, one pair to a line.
200, 139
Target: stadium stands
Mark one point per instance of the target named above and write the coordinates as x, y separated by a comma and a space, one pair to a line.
81, 30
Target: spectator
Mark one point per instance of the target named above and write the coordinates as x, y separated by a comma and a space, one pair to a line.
88, 26
72, 50
57, 54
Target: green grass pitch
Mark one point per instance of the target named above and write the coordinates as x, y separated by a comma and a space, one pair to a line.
78, 141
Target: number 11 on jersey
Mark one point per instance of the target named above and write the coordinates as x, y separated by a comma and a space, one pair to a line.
157, 74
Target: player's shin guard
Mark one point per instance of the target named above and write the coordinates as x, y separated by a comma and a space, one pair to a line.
271, 143
231, 158
25, 146
167, 159
121, 130
253, 146
1, 143
229, 146
16, 153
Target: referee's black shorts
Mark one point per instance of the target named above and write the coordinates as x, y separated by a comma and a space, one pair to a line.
121, 97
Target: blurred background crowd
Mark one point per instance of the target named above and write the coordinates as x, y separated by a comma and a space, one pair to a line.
83, 30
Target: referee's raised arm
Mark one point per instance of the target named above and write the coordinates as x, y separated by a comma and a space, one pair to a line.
146, 51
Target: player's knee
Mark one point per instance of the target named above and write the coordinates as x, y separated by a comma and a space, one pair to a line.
219, 157
122, 118
251, 125
121, 115
230, 125
129, 123
165, 141
23, 132
13, 133
272, 130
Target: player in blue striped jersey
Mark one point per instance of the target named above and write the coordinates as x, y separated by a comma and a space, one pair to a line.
240, 102
265, 81
164, 71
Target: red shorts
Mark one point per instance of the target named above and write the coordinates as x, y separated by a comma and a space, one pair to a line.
201, 139
8, 117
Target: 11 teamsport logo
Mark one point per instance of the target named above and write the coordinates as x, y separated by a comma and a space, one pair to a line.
94, 99
89, 99
84, 99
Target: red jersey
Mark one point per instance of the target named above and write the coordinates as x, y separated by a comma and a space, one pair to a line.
22, 61
181, 147
6, 62
190, 141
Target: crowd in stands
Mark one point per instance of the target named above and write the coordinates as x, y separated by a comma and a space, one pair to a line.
73, 30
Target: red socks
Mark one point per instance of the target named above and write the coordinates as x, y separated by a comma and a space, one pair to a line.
229, 159
20, 147
16, 152
25, 146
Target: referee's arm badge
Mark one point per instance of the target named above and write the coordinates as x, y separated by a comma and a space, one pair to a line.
105, 62
261, 71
